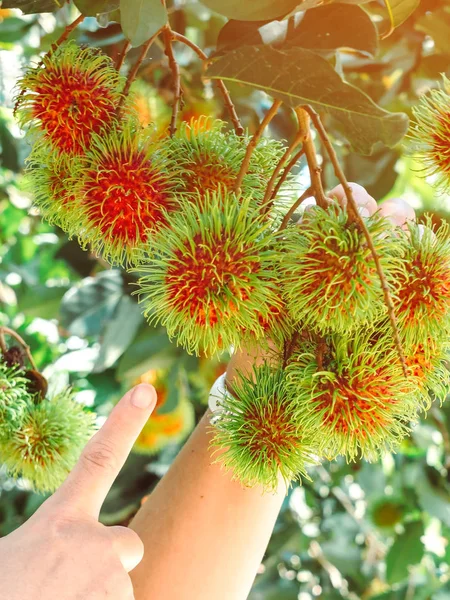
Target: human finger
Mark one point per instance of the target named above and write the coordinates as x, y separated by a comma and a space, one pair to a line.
90, 480
398, 211
128, 545
361, 196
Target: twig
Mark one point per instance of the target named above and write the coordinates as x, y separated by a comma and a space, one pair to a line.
254, 141
287, 169
16, 336
122, 55
174, 67
291, 211
315, 170
62, 38
3, 346
134, 71
360, 222
220, 84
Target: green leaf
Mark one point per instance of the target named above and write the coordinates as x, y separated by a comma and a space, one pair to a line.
251, 10
316, 29
30, 7
140, 19
150, 350
90, 8
437, 26
86, 309
175, 383
119, 333
399, 10
405, 551
298, 76
433, 499
42, 301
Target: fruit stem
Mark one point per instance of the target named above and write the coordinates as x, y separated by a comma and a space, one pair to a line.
62, 38
293, 208
254, 141
220, 84
294, 160
134, 71
315, 170
122, 55
3, 346
7, 331
174, 67
356, 217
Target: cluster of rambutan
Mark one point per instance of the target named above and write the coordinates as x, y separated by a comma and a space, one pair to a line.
216, 272
40, 437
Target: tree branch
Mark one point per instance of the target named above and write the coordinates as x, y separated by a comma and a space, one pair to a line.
122, 55
291, 211
174, 67
288, 168
254, 142
16, 336
220, 84
356, 217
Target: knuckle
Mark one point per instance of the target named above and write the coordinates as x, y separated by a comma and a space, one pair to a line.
100, 455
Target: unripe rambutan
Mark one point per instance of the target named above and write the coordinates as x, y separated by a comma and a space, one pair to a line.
49, 176
124, 190
259, 435
14, 397
431, 134
352, 392
211, 160
427, 364
48, 442
330, 277
421, 284
74, 94
213, 274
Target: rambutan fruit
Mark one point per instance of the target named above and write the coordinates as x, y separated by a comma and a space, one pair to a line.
421, 284
124, 191
73, 95
49, 177
352, 392
330, 277
14, 397
427, 364
260, 436
212, 275
211, 159
48, 442
430, 134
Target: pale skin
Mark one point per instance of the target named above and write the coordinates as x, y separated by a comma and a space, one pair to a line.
199, 536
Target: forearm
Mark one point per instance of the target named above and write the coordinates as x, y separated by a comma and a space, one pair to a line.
204, 534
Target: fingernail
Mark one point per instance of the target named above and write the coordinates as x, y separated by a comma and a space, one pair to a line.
143, 396
363, 211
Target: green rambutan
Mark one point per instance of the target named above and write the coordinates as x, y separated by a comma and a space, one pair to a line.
49, 176
211, 159
430, 134
124, 191
213, 274
421, 284
14, 396
48, 442
330, 277
73, 95
351, 391
259, 434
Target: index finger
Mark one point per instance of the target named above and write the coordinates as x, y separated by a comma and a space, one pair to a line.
89, 482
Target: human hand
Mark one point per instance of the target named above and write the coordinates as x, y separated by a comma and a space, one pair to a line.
395, 209
62, 552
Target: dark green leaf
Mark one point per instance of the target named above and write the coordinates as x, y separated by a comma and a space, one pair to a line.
34, 6
325, 28
252, 11
150, 350
86, 308
175, 383
434, 499
399, 10
90, 8
140, 19
407, 550
298, 76
42, 301
119, 333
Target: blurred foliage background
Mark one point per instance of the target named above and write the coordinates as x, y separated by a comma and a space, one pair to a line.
378, 531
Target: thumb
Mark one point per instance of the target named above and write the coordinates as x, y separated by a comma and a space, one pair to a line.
89, 482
